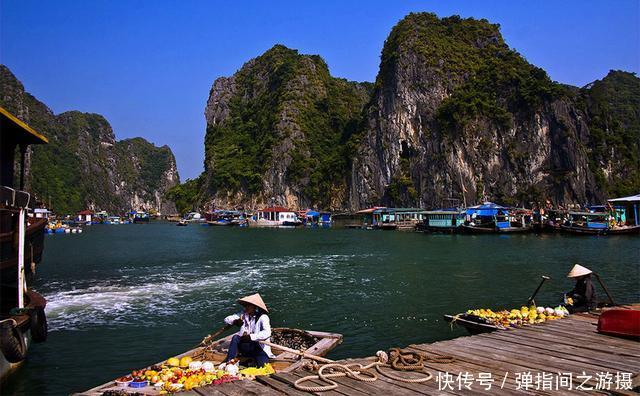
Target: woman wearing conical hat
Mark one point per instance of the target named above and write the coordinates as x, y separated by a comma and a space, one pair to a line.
254, 326
583, 296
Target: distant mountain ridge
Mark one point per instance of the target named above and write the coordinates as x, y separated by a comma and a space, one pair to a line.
83, 166
454, 112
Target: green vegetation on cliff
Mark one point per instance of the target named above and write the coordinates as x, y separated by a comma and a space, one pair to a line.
285, 106
83, 165
613, 105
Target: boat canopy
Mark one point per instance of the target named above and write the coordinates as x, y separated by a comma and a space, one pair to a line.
630, 198
486, 209
370, 210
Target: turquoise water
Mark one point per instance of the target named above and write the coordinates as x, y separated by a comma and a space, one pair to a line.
124, 296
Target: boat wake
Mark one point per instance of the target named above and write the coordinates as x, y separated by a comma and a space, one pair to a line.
156, 294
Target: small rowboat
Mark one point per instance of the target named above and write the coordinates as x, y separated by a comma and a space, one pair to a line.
620, 323
473, 324
318, 343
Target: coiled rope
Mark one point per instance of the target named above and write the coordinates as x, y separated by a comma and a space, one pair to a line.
398, 360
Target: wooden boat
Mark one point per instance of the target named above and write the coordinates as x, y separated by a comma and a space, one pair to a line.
182, 223
620, 323
22, 315
283, 361
471, 229
473, 324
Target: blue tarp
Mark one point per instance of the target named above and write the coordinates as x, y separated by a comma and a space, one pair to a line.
486, 209
312, 213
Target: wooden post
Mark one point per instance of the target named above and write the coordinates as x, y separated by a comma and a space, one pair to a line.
23, 161
21, 237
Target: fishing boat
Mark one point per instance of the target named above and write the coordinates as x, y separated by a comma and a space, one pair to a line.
473, 324
225, 218
490, 218
313, 342
444, 220
138, 217
22, 315
275, 216
587, 223
113, 220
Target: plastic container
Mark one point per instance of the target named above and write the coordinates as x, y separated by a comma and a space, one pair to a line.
138, 384
123, 384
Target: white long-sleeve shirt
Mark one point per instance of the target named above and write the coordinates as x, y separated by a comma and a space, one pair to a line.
258, 330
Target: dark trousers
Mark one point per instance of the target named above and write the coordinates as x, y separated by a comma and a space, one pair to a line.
247, 349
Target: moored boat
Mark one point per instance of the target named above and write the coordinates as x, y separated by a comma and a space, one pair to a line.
587, 223
226, 218
490, 218
313, 342
22, 315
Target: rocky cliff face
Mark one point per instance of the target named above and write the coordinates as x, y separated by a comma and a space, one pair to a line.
278, 132
457, 113
454, 113
83, 166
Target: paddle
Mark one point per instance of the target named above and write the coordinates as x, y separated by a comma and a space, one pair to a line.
208, 338
303, 354
531, 299
605, 289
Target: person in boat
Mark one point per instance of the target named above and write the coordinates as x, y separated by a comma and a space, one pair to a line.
583, 296
254, 327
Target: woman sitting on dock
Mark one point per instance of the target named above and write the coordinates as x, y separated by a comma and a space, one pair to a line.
254, 326
583, 294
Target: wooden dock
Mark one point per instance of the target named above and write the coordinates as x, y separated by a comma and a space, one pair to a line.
531, 358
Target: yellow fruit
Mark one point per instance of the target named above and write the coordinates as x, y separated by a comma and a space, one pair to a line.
184, 362
173, 362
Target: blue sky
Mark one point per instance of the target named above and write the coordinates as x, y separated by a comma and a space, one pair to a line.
147, 66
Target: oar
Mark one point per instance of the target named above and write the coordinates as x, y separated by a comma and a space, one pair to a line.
604, 288
213, 335
303, 354
531, 299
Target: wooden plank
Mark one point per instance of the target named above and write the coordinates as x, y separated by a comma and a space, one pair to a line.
280, 386
430, 387
347, 386
588, 342
209, 390
460, 352
547, 364
461, 366
570, 351
290, 378
546, 354
497, 367
246, 387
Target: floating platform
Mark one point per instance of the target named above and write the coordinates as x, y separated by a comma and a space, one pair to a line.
570, 345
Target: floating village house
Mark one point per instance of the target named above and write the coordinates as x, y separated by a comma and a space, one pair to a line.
85, 216
397, 218
626, 210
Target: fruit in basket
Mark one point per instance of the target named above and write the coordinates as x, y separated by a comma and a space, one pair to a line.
184, 362
174, 361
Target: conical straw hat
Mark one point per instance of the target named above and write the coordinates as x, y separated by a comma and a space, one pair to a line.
577, 271
256, 300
